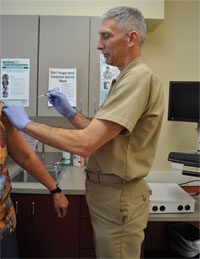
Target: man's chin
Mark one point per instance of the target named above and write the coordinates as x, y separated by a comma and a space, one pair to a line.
108, 61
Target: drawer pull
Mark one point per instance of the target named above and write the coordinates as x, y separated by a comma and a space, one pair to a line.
16, 207
33, 208
95, 106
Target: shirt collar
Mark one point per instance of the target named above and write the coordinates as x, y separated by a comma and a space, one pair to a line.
131, 64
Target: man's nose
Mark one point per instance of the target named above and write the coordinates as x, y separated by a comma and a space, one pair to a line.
100, 45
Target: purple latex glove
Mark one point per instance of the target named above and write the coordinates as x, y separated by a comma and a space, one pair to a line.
61, 104
16, 115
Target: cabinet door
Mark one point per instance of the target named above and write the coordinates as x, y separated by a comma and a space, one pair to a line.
64, 43
94, 85
86, 233
20, 204
50, 236
19, 39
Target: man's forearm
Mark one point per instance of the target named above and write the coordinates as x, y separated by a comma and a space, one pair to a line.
83, 142
64, 139
79, 121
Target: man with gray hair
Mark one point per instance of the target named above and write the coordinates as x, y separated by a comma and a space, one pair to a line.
120, 140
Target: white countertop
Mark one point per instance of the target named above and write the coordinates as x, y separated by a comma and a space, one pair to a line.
73, 183
73, 180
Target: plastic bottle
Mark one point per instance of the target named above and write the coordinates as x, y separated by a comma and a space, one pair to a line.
66, 158
78, 160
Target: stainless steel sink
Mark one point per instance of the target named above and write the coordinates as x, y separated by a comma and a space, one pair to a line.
52, 164
22, 176
49, 157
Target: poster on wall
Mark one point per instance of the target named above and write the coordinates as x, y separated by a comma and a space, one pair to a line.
15, 81
107, 74
64, 80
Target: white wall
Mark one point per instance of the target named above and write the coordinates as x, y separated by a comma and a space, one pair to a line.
152, 9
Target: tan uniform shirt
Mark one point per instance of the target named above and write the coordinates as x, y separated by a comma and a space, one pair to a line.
136, 102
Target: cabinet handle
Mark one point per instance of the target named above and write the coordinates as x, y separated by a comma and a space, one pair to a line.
95, 106
81, 106
33, 208
16, 207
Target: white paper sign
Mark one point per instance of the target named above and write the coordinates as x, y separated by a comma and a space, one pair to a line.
15, 81
107, 74
64, 80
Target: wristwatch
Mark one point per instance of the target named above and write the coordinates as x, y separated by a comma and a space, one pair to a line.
57, 190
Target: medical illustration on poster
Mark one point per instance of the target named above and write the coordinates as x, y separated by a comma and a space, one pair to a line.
107, 74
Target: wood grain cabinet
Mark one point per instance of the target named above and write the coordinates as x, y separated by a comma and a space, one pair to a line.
41, 234
86, 235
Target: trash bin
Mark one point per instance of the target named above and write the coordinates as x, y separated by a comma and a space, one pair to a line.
184, 238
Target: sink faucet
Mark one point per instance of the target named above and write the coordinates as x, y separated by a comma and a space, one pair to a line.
43, 151
36, 146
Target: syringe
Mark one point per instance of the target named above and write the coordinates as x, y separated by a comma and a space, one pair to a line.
46, 94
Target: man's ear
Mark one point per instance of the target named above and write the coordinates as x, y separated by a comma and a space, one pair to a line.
133, 36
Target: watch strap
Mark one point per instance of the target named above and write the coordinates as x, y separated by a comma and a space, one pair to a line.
57, 190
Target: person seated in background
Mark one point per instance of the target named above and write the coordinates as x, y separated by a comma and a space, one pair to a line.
12, 142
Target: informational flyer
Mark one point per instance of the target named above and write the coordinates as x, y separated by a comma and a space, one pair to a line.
107, 74
15, 81
64, 80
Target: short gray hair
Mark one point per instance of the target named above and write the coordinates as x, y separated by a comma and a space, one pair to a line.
128, 18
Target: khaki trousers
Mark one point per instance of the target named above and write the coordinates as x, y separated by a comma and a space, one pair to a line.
119, 214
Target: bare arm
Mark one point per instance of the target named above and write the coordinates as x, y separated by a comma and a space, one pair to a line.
79, 121
23, 154
83, 141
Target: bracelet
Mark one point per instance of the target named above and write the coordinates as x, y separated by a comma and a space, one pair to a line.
57, 190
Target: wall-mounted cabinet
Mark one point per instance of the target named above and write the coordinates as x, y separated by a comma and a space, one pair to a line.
94, 83
64, 43
59, 42
19, 40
